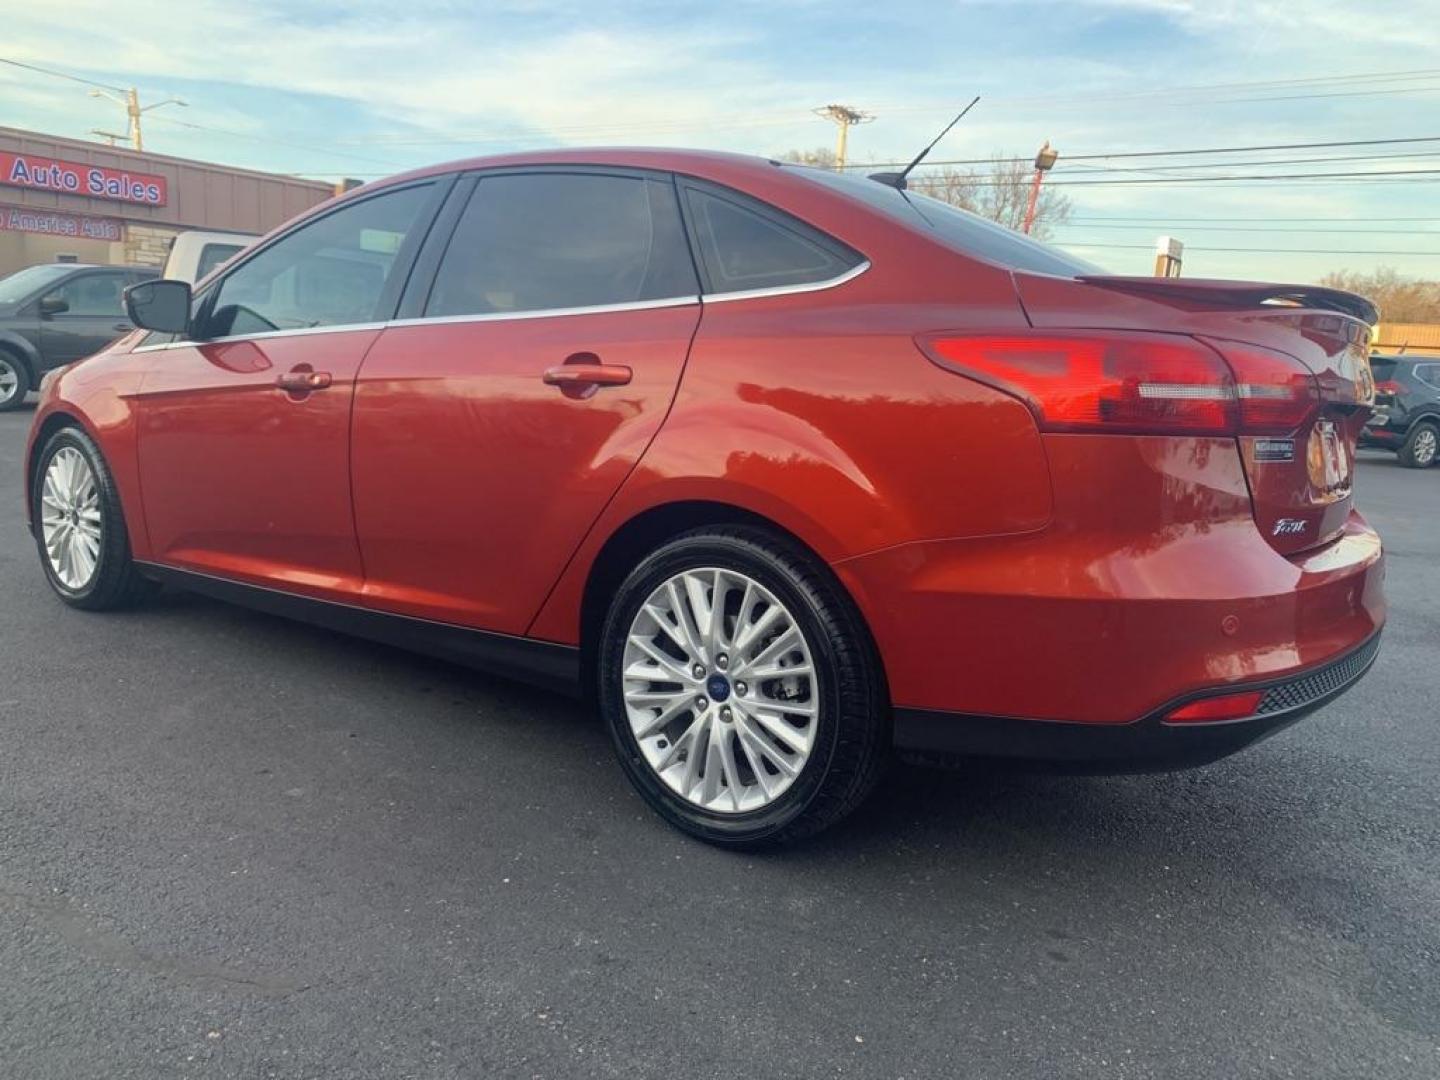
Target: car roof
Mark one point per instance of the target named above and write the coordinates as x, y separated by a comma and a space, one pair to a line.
698, 162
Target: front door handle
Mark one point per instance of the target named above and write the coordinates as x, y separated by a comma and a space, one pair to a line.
582, 375
302, 382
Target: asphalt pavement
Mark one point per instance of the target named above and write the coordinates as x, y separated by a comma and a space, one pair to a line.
234, 846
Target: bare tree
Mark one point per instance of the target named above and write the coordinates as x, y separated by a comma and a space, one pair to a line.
821, 157
1400, 299
1000, 192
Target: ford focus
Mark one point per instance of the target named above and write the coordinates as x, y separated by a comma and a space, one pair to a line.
786, 470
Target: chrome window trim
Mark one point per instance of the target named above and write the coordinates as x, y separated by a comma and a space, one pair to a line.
539, 313
789, 290
549, 313
302, 331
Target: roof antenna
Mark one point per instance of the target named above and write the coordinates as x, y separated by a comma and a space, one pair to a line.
897, 180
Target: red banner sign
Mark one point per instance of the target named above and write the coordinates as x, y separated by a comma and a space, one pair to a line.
89, 181
20, 219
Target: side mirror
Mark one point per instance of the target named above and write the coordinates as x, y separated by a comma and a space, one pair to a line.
53, 305
161, 305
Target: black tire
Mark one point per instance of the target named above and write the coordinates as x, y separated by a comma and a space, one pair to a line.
116, 581
12, 367
1419, 450
852, 737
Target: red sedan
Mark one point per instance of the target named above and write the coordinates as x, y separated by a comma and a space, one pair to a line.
785, 468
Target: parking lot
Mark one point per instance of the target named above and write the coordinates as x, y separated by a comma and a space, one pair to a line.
235, 846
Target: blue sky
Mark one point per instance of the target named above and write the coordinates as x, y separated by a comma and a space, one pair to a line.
366, 88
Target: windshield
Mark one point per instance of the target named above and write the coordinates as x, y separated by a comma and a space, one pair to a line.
22, 283
958, 229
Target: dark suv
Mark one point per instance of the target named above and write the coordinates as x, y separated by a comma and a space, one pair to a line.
54, 313
1407, 408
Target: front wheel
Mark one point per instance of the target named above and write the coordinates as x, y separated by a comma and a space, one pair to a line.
741, 689
1421, 446
79, 526
14, 382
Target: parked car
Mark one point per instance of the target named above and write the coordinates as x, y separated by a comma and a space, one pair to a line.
1406, 418
54, 313
195, 253
784, 468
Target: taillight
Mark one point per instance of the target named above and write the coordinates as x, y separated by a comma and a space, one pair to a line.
1212, 710
1276, 392
1387, 386
1136, 383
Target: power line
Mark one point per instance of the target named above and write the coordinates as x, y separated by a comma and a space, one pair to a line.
1267, 218
1171, 153
1379, 175
1325, 160
1250, 250
1309, 230
317, 148
60, 74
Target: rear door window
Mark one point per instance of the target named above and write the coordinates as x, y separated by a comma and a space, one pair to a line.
530, 242
1429, 374
745, 245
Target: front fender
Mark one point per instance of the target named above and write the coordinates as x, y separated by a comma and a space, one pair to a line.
97, 396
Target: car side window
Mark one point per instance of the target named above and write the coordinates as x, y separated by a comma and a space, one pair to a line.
1429, 374
212, 255
95, 295
329, 272
746, 245
550, 241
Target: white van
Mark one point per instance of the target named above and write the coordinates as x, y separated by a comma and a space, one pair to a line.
194, 254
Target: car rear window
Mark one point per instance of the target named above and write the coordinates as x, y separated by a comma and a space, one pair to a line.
746, 245
959, 229
1382, 367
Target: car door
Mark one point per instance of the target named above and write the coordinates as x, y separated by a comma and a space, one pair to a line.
244, 432
492, 426
93, 315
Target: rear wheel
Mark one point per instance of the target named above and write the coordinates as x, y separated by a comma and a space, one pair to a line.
79, 526
14, 381
1421, 446
741, 689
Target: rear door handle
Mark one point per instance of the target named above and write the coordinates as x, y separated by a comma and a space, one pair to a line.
580, 376
302, 382
122, 328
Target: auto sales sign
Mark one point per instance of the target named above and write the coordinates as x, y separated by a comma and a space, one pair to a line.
87, 181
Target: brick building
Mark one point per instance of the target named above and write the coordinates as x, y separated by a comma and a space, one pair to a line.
66, 198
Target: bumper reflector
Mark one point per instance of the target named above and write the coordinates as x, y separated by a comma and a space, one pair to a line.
1212, 709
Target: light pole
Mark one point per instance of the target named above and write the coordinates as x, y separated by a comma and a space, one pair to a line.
133, 112
1044, 162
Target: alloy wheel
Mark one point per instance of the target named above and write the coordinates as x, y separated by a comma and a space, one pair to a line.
1425, 446
720, 690
70, 518
9, 380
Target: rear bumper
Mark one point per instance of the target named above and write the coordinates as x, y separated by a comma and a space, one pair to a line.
1145, 745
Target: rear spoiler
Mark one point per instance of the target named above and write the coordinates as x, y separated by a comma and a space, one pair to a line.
1240, 294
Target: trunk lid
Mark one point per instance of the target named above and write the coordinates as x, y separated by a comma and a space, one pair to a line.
1300, 472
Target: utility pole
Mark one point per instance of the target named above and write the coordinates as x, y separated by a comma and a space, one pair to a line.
133, 111
843, 116
1044, 162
